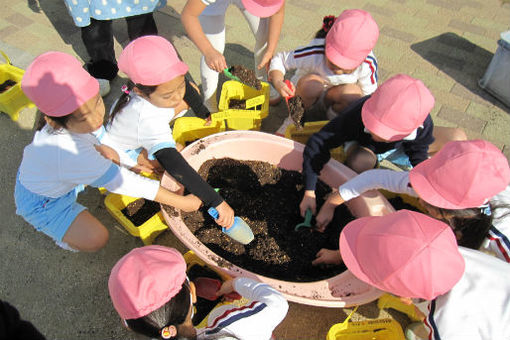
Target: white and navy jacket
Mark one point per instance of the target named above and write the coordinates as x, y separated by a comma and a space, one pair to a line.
254, 321
311, 59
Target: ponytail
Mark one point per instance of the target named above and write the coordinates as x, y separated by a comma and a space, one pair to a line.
327, 23
126, 97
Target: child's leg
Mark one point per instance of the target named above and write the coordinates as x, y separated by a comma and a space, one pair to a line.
310, 88
339, 97
260, 29
360, 159
140, 25
98, 40
86, 233
214, 29
444, 135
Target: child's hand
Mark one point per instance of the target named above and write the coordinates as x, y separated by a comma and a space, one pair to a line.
266, 59
215, 60
308, 202
208, 121
226, 218
283, 89
324, 217
108, 152
226, 287
190, 203
327, 256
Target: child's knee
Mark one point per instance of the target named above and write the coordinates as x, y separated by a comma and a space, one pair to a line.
361, 159
458, 134
339, 97
97, 240
309, 88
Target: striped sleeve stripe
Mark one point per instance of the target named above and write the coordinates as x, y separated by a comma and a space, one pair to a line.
430, 323
372, 63
234, 315
501, 241
310, 50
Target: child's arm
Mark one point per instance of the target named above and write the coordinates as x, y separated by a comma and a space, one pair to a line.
327, 256
194, 100
173, 162
189, 18
418, 149
368, 75
275, 27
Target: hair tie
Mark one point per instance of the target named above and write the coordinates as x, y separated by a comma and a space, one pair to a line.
168, 332
486, 209
328, 22
125, 89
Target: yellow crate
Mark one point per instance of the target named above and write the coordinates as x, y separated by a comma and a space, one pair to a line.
381, 329
309, 128
148, 231
13, 100
232, 89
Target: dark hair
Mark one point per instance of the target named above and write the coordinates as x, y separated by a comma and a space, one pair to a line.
470, 225
60, 121
124, 98
327, 23
174, 312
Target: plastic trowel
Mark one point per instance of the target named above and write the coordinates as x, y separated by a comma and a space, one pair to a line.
239, 231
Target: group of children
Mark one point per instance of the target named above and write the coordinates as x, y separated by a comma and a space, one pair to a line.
462, 186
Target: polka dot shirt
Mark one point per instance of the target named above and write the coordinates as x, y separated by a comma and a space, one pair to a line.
83, 10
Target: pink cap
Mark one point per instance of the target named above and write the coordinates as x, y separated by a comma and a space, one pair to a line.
58, 84
145, 279
262, 8
351, 38
398, 107
463, 174
405, 253
151, 60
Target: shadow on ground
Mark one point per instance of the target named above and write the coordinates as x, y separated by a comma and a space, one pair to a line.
462, 60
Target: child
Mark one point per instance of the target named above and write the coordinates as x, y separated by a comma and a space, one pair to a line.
334, 69
394, 124
62, 157
204, 21
141, 118
152, 294
455, 186
414, 256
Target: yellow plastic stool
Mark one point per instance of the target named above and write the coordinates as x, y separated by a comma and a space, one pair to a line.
309, 128
379, 329
391, 301
13, 100
232, 89
148, 231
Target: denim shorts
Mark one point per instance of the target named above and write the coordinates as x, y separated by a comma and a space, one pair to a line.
397, 157
52, 216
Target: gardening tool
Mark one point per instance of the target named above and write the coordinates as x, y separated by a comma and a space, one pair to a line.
307, 222
239, 230
230, 75
207, 287
290, 86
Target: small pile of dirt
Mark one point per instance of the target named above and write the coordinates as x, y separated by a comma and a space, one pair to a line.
237, 104
7, 85
296, 110
267, 198
246, 76
139, 211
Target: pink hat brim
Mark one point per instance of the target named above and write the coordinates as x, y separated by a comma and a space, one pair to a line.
348, 249
340, 60
375, 126
178, 69
262, 11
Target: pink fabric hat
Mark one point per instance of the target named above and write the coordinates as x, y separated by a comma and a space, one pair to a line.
351, 38
398, 107
405, 253
463, 174
145, 279
151, 60
262, 8
58, 84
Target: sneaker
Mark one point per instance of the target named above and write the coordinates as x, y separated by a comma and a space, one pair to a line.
274, 96
416, 331
104, 86
283, 128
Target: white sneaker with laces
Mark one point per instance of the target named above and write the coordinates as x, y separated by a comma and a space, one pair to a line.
281, 130
104, 86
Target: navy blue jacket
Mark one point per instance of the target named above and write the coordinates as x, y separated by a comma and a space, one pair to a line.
348, 126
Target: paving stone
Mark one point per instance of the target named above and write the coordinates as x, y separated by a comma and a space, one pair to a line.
463, 26
8, 30
397, 34
371, 8
464, 120
506, 151
451, 5
19, 20
449, 99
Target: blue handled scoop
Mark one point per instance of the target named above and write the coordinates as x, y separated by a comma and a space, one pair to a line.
239, 231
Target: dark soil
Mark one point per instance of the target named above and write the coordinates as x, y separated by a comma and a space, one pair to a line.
139, 211
296, 111
246, 76
237, 104
267, 198
7, 85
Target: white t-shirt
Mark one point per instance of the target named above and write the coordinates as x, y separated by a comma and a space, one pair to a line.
497, 241
219, 7
476, 308
312, 59
140, 124
58, 161
254, 321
